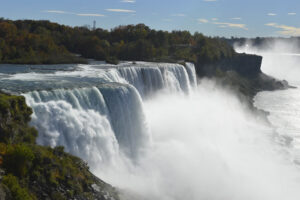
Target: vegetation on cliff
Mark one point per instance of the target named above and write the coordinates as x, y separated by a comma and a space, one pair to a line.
28, 41
29, 171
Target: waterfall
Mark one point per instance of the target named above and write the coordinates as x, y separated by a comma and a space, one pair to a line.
137, 132
76, 119
190, 68
145, 80
92, 123
148, 78
127, 117
101, 121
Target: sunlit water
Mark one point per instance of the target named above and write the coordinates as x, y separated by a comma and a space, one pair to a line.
283, 106
284, 109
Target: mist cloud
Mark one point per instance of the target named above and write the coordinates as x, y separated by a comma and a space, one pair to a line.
281, 58
206, 146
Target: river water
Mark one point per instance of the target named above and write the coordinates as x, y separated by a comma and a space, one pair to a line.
283, 106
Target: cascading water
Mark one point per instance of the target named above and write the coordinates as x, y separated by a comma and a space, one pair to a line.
137, 131
76, 119
150, 79
190, 68
102, 115
147, 78
127, 117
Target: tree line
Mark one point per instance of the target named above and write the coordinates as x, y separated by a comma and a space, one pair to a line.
35, 42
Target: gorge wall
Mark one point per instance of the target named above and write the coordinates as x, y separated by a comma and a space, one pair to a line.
243, 73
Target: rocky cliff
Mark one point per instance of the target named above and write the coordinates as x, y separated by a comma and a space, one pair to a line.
242, 72
244, 64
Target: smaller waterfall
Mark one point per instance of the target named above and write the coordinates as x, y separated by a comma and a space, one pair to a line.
148, 78
190, 68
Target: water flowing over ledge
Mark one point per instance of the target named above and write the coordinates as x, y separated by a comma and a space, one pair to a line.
96, 111
157, 142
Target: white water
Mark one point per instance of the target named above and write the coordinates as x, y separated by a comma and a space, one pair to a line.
284, 106
104, 123
201, 146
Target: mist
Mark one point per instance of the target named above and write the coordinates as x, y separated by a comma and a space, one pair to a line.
281, 59
206, 146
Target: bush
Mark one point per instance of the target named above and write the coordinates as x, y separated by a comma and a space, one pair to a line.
17, 192
18, 159
16, 115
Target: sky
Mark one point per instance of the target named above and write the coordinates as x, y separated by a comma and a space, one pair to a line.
238, 18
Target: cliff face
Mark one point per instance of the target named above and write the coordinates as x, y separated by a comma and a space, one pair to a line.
243, 73
243, 64
29, 171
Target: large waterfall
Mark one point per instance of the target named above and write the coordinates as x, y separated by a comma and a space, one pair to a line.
151, 131
100, 121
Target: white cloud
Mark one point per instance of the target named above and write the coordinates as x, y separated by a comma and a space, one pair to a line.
120, 10
272, 14
71, 13
292, 13
236, 18
231, 25
202, 21
223, 24
128, 1
90, 15
286, 30
271, 24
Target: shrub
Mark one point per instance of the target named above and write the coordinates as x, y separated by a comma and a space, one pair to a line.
17, 192
18, 159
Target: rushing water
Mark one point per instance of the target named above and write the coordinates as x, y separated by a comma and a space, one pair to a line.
95, 111
151, 131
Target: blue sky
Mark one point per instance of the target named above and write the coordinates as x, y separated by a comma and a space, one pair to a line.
247, 18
